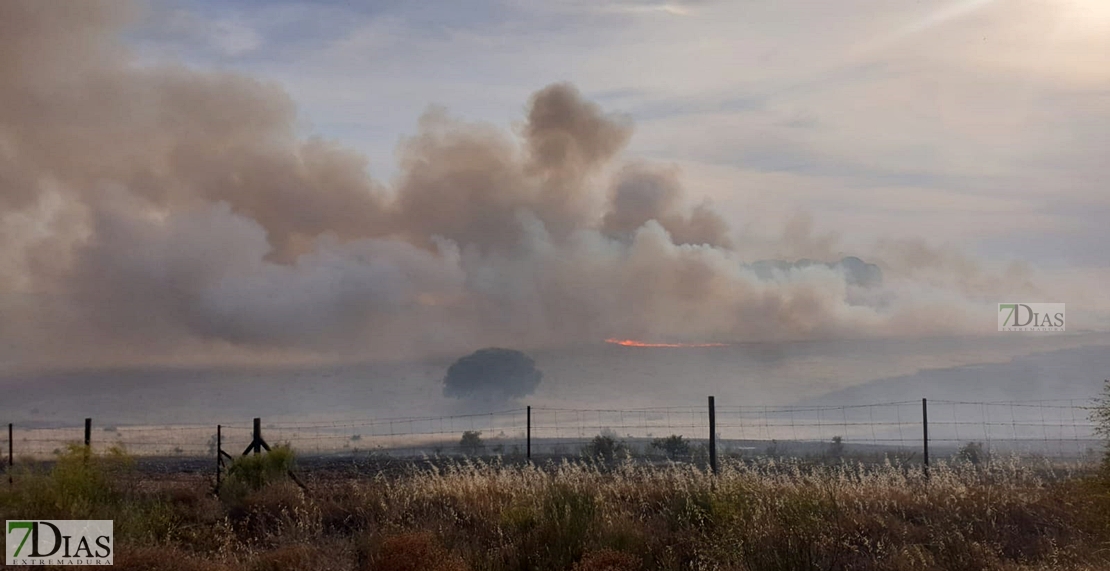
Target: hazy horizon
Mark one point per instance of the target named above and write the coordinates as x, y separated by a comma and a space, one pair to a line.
600, 376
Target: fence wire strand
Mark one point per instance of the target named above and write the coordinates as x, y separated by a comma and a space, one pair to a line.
1037, 429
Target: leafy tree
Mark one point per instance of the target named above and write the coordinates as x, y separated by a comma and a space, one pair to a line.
492, 374
674, 445
836, 448
604, 446
471, 442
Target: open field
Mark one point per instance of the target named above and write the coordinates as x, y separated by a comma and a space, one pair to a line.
556, 515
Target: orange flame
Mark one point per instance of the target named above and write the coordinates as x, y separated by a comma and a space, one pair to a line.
634, 343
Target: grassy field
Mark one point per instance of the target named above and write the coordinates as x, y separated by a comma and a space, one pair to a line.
581, 516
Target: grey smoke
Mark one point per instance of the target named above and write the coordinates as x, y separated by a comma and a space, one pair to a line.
856, 271
163, 213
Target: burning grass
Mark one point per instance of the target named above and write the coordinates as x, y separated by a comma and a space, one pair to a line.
590, 517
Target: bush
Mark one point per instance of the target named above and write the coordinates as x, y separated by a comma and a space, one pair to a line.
80, 485
603, 447
253, 472
674, 446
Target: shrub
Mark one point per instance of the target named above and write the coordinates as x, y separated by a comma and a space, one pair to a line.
674, 446
255, 471
80, 484
603, 447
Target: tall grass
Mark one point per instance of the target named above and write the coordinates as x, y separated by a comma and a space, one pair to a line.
770, 515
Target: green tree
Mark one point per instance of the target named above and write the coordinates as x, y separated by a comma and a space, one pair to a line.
471, 442
492, 374
674, 445
604, 446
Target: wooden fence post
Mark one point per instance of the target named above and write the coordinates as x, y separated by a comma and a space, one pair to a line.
88, 432
11, 459
219, 458
257, 443
528, 438
712, 435
925, 433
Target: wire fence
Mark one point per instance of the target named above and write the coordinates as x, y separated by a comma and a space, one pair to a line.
1060, 430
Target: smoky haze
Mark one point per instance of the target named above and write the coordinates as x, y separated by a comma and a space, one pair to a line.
164, 213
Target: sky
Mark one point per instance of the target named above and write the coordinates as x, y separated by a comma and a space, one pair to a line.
260, 181
979, 123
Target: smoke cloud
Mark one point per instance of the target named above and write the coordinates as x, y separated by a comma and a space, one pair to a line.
162, 213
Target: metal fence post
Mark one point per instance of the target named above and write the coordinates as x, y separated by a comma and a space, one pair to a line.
257, 436
712, 435
219, 450
88, 432
528, 434
11, 459
925, 433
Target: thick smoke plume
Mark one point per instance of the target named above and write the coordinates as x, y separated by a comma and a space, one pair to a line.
168, 214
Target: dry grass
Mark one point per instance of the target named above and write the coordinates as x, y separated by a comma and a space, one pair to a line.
572, 516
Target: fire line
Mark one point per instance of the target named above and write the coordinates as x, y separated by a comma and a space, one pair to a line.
634, 343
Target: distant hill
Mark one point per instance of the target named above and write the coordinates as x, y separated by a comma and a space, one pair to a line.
1076, 373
